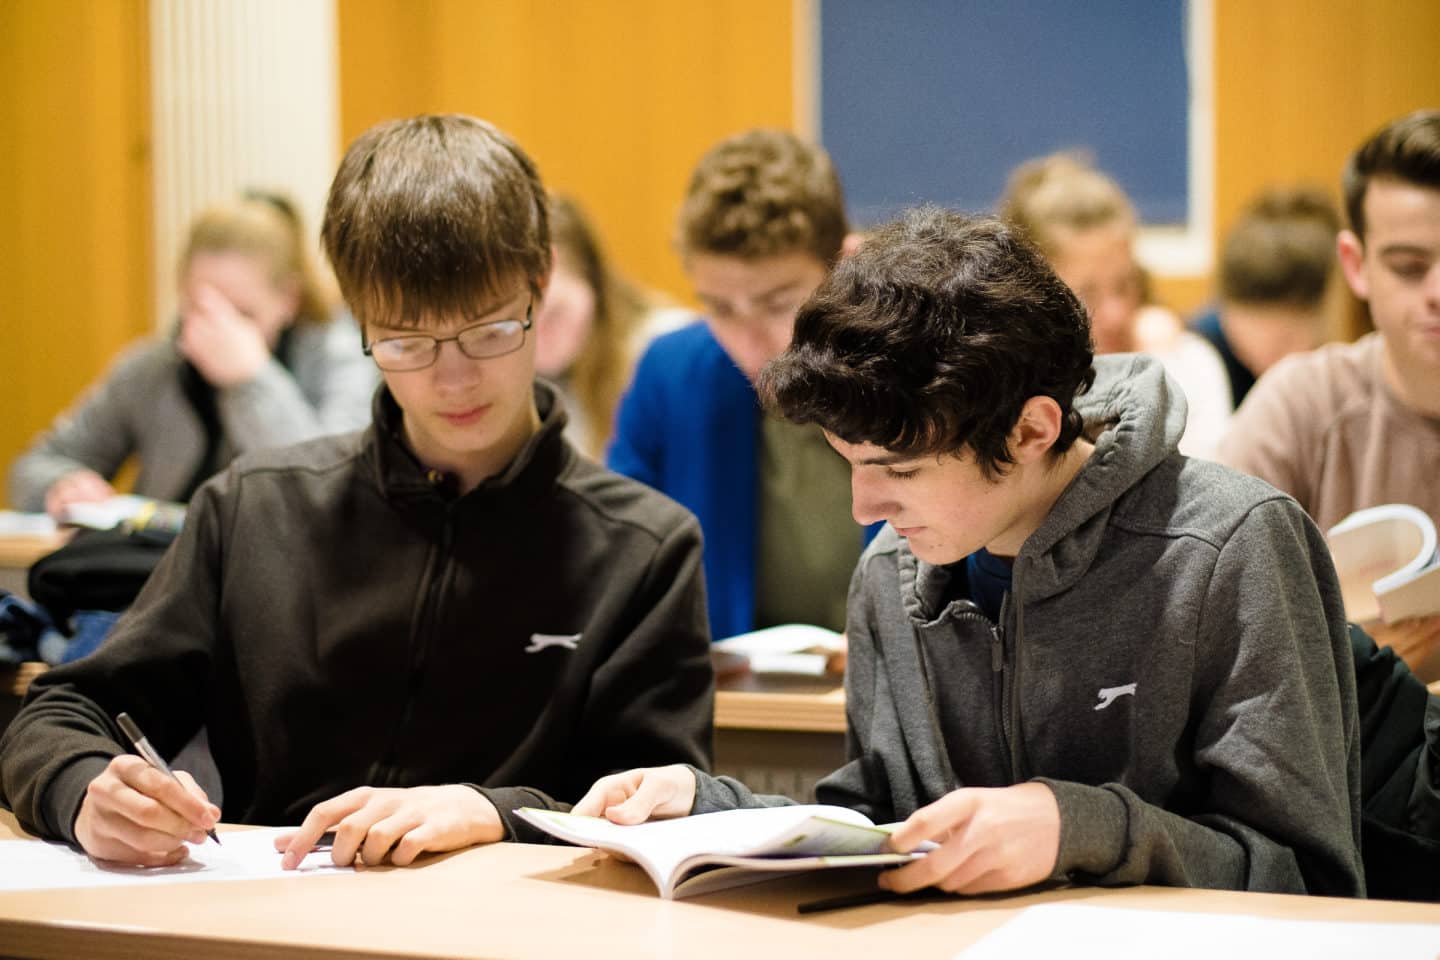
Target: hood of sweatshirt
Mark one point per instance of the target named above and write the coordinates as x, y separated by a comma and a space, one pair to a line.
1134, 415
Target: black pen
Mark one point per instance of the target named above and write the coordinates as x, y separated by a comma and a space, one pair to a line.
878, 895
143, 747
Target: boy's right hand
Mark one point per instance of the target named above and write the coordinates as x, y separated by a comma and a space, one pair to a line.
649, 793
77, 486
133, 813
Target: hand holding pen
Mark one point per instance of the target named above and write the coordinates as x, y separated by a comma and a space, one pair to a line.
137, 811
151, 755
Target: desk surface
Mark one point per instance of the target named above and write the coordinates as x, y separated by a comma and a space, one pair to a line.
518, 900
21, 551
753, 702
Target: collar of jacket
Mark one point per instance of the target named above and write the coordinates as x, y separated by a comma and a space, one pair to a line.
403, 479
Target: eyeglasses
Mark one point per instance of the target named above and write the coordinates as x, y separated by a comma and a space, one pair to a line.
480, 342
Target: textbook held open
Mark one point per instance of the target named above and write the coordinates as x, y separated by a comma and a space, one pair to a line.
1388, 563
713, 851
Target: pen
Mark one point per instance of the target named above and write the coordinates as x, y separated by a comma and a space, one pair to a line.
143, 747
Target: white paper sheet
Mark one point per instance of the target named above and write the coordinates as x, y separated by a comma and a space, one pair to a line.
1078, 932
796, 648
13, 524
241, 855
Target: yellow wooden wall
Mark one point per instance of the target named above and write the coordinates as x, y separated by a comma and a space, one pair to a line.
614, 100
75, 206
1300, 83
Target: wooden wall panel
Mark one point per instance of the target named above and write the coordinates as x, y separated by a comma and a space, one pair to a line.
75, 211
615, 99
1299, 83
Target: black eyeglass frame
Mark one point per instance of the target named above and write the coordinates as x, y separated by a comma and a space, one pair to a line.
368, 348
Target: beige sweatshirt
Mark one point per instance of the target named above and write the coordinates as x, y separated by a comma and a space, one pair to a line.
1325, 428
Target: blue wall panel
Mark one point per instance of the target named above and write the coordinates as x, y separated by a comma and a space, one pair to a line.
926, 100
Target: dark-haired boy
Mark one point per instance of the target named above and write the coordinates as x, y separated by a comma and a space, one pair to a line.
1074, 653
402, 634
762, 221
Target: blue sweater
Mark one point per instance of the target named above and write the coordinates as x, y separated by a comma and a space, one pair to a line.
689, 426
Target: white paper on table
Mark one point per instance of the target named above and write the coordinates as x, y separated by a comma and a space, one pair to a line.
1078, 932
799, 648
14, 524
241, 855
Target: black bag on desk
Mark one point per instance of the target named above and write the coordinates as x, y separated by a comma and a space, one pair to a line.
97, 570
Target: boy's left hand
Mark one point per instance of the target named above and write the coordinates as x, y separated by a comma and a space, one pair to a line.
999, 838
395, 823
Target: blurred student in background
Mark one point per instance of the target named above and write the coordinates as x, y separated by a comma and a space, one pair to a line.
1085, 225
1275, 269
260, 357
762, 222
586, 328
1355, 425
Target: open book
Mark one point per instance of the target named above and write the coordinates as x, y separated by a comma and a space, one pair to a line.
1387, 561
713, 851
121, 508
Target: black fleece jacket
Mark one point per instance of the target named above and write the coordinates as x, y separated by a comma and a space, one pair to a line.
336, 618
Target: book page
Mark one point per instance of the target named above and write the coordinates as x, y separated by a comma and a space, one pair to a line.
1387, 561
662, 847
240, 855
1078, 932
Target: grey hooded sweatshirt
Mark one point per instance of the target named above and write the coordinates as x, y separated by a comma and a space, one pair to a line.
1172, 661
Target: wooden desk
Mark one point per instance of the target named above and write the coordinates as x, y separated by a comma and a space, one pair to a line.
16, 555
779, 734
518, 900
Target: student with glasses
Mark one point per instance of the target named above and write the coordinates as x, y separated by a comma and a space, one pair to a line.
404, 634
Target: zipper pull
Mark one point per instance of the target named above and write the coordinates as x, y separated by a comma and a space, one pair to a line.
997, 652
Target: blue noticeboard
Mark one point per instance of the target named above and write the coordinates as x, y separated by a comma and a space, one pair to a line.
938, 100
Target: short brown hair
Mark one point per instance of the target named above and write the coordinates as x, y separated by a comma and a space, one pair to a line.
432, 215
1281, 250
762, 193
1407, 149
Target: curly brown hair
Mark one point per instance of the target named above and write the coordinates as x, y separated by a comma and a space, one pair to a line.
763, 193
931, 338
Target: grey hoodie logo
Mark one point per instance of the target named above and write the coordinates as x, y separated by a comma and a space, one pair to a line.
1109, 695
544, 641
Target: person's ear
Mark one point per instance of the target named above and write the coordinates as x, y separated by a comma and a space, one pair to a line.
1350, 250
850, 244
1037, 429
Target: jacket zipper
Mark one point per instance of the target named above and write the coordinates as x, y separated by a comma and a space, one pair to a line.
419, 646
1010, 681
1001, 687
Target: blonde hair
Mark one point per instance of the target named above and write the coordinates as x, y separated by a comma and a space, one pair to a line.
267, 226
1062, 193
602, 370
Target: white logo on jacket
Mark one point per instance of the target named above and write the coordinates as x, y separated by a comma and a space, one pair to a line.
1109, 695
544, 641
